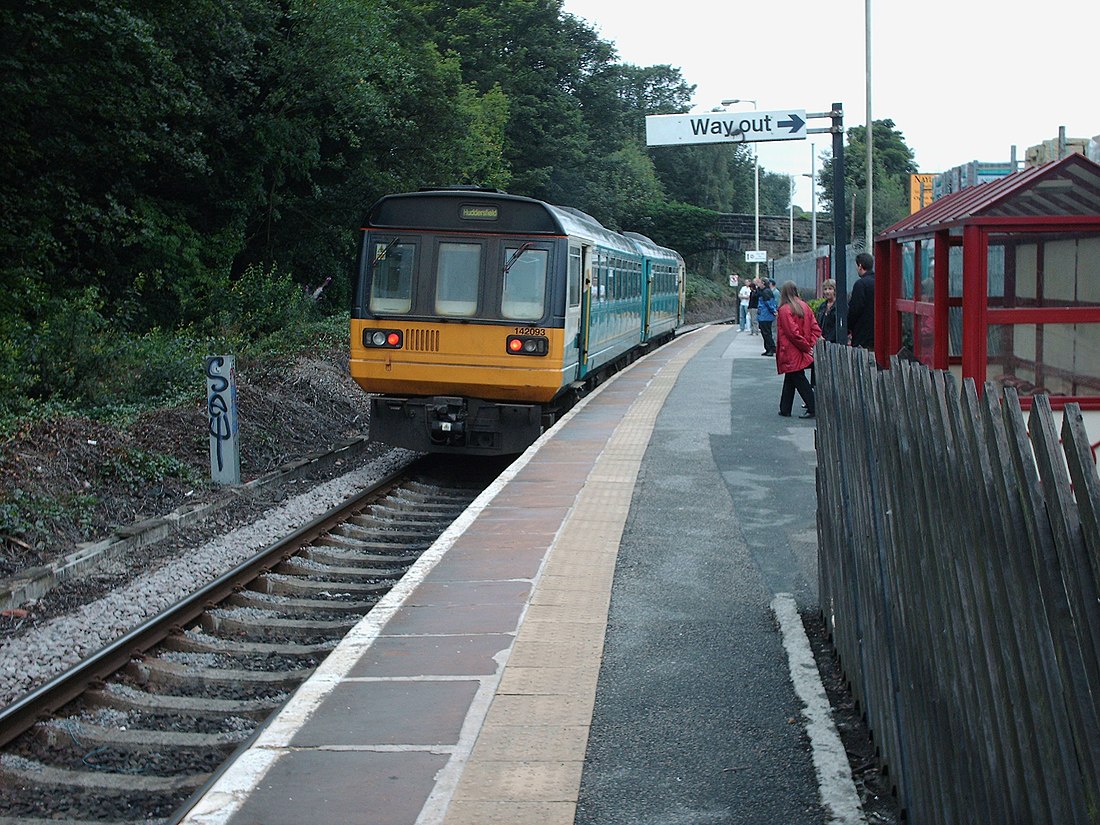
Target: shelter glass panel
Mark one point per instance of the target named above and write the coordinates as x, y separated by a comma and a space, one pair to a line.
924, 338
995, 270
906, 319
1053, 271
955, 272
954, 332
1062, 359
916, 268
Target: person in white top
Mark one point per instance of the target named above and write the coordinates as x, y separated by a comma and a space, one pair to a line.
744, 296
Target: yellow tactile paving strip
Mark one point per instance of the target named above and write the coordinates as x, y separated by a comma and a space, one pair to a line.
526, 763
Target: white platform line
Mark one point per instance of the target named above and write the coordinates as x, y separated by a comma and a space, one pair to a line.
834, 774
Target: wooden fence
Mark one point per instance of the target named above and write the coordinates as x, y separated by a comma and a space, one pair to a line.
959, 573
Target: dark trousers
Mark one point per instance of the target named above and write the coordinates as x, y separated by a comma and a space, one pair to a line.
796, 381
766, 334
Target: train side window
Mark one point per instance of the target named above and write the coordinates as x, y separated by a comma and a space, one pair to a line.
524, 297
574, 276
601, 277
392, 277
457, 278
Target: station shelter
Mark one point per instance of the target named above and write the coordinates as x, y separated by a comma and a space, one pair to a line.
1001, 282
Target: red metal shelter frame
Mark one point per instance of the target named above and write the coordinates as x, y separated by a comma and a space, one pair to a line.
1059, 200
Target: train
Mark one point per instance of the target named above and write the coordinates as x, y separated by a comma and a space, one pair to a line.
479, 317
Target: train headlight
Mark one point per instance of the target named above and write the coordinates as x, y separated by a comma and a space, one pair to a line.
384, 338
527, 345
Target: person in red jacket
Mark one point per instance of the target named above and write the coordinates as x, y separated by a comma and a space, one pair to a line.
796, 333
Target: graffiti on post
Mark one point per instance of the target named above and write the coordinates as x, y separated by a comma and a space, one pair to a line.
221, 408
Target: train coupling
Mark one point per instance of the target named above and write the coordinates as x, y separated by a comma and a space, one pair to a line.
447, 421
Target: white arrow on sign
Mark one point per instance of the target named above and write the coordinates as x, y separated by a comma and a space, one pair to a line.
725, 127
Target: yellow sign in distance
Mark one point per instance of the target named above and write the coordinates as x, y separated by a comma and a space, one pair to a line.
920, 192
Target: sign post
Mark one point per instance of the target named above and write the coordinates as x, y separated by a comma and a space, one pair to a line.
221, 408
840, 257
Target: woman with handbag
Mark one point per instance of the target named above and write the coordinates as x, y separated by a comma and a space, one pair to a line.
796, 333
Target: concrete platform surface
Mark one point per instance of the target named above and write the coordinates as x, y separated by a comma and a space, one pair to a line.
605, 636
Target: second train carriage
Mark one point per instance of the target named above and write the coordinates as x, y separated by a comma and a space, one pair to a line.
478, 314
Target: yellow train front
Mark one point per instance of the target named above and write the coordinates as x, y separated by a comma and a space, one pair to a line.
478, 316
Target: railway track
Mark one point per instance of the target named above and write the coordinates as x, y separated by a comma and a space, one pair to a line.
131, 733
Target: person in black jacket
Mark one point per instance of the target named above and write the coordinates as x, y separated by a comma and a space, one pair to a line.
861, 305
826, 313
826, 319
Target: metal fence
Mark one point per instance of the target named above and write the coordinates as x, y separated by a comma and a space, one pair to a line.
959, 571
802, 269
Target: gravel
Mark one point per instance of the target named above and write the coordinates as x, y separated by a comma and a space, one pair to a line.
32, 657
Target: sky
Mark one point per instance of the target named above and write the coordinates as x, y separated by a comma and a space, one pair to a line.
962, 80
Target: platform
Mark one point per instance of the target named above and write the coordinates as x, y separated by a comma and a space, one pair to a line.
607, 635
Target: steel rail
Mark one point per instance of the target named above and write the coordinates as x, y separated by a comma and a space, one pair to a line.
45, 700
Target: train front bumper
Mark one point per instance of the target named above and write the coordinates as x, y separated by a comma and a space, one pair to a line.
443, 424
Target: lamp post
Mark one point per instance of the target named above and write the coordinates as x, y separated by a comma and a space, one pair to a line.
791, 212
813, 198
869, 228
755, 182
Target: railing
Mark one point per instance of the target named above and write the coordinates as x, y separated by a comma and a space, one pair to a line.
959, 572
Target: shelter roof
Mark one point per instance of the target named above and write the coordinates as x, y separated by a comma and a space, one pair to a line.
1066, 187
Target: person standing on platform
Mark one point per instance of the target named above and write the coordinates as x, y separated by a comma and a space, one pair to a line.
826, 313
861, 306
743, 295
796, 333
826, 319
765, 315
754, 303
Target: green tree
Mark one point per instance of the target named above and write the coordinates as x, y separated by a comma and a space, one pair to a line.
775, 193
354, 101
104, 131
893, 163
680, 226
617, 183
616, 98
711, 176
537, 57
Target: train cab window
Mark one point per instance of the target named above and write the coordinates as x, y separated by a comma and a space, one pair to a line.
457, 278
392, 276
524, 295
574, 276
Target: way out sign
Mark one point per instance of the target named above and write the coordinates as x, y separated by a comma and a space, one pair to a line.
725, 127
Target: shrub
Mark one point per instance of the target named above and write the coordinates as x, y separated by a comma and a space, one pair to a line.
71, 355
